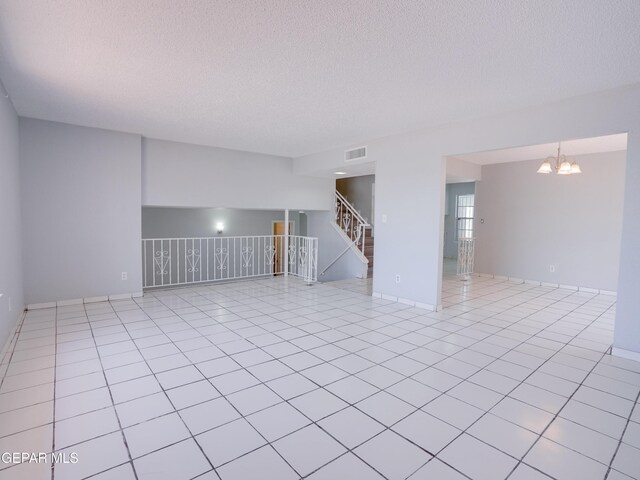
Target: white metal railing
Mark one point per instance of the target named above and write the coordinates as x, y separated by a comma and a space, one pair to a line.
179, 261
350, 221
466, 252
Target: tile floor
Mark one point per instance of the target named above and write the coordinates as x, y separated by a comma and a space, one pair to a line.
273, 379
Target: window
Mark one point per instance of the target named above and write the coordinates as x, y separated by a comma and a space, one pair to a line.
464, 215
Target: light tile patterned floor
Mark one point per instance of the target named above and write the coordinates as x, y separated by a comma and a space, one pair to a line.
273, 379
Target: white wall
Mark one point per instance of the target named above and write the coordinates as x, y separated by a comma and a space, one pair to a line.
10, 224
450, 218
183, 175
80, 190
459, 171
330, 245
410, 183
533, 221
357, 190
166, 222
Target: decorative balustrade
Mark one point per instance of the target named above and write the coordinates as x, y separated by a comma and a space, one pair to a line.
350, 221
466, 253
179, 261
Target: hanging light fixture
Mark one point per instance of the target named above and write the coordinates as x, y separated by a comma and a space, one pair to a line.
561, 165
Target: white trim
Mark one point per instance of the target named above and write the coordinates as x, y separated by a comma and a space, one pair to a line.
11, 338
588, 290
407, 301
80, 301
622, 353
516, 280
428, 306
74, 301
103, 298
576, 288
121, 296
37, 306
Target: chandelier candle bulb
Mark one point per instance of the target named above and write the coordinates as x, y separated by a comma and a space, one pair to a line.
562, 165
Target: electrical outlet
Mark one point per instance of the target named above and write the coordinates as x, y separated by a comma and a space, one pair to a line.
552, 268
397, 278
9, 300
124, 275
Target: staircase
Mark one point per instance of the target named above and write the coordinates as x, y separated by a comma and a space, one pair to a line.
356, 232
368, 249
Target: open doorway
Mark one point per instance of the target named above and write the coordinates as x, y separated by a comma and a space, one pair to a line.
458, 221
279, 244
532, 223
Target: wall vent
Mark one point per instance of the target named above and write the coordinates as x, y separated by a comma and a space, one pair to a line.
355, 154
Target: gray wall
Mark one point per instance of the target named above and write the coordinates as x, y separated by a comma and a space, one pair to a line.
81, 195
330, 245
10, 223
532, 221
166, 222
183, 175
450, 217
357, 190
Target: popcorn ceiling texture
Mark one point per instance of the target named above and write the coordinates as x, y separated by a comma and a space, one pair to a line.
291, 78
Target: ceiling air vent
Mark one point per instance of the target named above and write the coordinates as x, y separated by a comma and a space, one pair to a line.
355, 154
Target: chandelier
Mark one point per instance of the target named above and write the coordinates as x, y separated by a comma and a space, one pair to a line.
560, 164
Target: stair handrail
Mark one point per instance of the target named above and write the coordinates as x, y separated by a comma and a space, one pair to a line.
351, 208
335, 260
350, 221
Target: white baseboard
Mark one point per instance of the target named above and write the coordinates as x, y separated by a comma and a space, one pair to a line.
36, 306
75, 301
575, 288
628, 354
608, 292
122, 296
80, 301
407, 301
11, 337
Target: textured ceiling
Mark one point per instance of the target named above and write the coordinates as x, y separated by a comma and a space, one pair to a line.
584, 146
296, 77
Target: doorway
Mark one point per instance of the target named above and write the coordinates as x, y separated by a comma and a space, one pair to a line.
279, 244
